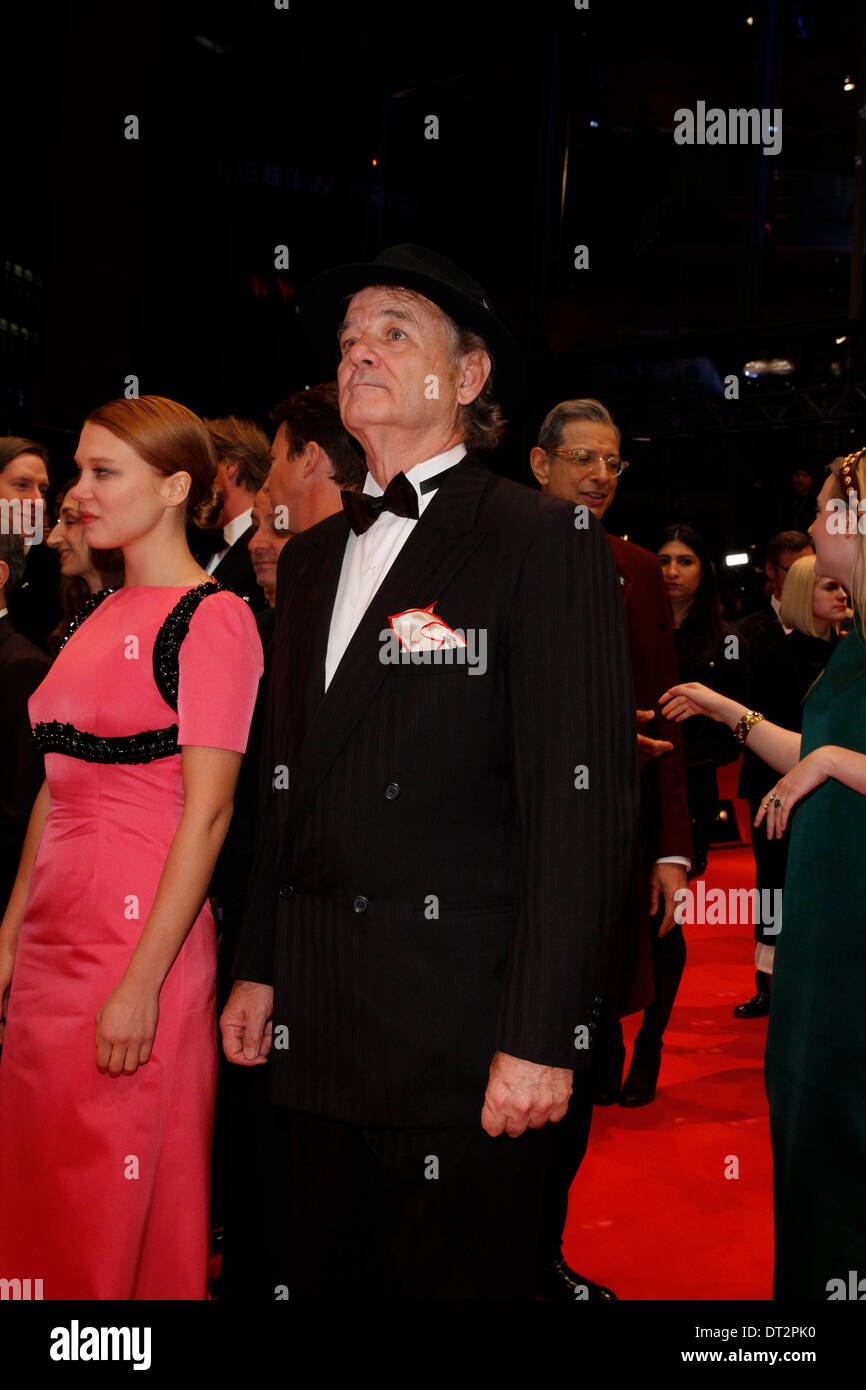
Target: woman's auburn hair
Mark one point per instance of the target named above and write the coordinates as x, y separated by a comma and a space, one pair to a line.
171, 438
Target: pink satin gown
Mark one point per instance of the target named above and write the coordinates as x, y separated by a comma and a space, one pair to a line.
104, 1181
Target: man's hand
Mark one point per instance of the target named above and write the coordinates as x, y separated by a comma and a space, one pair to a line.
522, 1095
665, 879
649, 748
246, 1024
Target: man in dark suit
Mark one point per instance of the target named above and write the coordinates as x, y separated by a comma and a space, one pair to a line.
243, 460
453, 797
577, 458
762, 631
22, 668
312, 460
24, 484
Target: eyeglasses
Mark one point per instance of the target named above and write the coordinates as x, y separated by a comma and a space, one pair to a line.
585, 458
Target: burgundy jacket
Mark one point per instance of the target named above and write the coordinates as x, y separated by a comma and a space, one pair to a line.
664, 827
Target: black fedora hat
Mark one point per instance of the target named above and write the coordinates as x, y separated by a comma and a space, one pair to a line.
427, 272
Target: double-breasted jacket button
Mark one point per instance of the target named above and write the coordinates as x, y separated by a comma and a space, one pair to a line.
287, 890
392, 791
361, 903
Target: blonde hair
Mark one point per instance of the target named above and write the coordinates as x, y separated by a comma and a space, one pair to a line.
798, 597
798, 593
855, 466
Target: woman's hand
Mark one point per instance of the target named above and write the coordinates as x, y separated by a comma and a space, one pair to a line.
803, 778
125, 1029
682, 701
7, 965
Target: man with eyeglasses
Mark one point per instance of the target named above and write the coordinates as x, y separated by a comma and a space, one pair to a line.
578, 458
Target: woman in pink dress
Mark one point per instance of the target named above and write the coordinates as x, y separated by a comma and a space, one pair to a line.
109, 1059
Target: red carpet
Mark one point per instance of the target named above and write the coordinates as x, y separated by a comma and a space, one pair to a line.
652, 1214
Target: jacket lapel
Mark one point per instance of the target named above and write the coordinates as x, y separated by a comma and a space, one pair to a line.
444, 537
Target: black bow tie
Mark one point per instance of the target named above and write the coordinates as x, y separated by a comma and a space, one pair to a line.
362, 510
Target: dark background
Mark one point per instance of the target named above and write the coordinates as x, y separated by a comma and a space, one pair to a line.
260, 127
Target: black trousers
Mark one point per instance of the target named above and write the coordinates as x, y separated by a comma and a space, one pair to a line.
571, 1135
771, 862
568, 1146
382, 1214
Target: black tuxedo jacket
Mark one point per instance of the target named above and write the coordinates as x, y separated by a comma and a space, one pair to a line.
763, 632
433, 885
23, 666
235, 571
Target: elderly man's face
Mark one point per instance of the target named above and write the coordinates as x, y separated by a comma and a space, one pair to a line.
395, 367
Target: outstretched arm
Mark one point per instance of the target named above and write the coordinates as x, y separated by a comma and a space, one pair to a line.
778, 747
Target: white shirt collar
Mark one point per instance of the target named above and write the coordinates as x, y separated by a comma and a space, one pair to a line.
421, 472
777, 606
3, 612
237, 526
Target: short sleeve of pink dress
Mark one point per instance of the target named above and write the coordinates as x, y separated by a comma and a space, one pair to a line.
219, 668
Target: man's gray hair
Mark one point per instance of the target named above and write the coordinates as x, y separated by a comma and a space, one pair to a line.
550, 434
483, 422
13, 552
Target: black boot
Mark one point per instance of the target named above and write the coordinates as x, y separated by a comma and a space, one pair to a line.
758, 1007
643, 1074
669, 959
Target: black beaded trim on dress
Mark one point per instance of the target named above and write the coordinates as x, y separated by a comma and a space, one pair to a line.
84, 611
146, 747
151, 744
166, 647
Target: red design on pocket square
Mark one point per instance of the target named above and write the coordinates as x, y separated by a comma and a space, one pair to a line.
420, 629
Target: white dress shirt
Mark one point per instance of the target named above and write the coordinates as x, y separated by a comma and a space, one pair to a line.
231, 533
777, 609
369, 557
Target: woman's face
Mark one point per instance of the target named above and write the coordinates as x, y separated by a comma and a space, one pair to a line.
120, 496
68, 539
681, 571
835, 549
829, 601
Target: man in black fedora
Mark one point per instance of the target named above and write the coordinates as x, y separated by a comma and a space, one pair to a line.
450, 802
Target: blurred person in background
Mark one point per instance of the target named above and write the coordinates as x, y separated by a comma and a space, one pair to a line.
82, 571
708, 649
797, 506
23, 665
243, 460
764, 632
24, 484
780, 677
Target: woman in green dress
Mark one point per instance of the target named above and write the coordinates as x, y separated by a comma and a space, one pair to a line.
815, 1064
